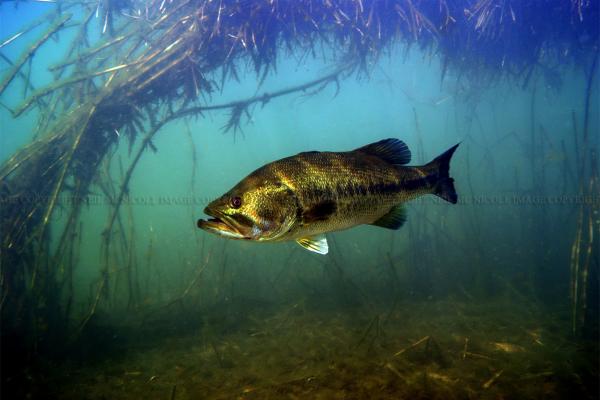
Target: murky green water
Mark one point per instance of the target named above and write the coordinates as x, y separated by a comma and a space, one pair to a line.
494, 297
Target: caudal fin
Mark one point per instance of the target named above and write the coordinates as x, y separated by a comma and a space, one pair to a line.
440, 166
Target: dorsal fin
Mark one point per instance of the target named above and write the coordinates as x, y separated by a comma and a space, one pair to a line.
394, 219
392, 150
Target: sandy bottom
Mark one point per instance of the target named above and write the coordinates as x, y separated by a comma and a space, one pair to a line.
424, 350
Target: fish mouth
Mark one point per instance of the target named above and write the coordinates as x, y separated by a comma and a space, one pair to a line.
221, 225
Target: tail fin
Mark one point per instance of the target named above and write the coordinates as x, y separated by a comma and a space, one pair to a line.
440, 166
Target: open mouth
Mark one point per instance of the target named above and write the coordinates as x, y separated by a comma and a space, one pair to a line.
220, 226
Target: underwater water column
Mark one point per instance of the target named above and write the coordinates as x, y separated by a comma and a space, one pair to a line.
84, 115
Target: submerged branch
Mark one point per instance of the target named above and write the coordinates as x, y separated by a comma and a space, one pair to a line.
127, 177
82, 57
38, 94
239, 106
67, 163
31, 51
32, 25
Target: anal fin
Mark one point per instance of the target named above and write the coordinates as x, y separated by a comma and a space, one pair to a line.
318, 244
394, 219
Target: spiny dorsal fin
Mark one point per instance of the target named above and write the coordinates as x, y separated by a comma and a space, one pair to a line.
392, 150
318, 244
394, 219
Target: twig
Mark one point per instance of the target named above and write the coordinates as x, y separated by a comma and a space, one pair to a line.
475, 355
212, 344
491, 381
415, 344
38, 94
588, 95
395, 371
92, 311
34, 24
593, 188
195, 280
88, 53
263, 98
32, 49
125, 184
368, 329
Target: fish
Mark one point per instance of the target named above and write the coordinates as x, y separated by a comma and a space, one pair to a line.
303, 197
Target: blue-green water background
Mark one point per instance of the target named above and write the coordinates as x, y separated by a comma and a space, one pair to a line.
508, 228
402, 97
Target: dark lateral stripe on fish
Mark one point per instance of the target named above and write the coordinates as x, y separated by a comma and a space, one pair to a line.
418, 183
320, 211
350, 189
384, 188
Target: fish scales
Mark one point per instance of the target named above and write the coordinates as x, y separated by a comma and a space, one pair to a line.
304, 196
362, 186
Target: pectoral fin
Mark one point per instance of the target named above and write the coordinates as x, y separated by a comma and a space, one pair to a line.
318, 244
394, 219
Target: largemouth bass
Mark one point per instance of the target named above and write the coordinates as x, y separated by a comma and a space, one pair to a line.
304, 196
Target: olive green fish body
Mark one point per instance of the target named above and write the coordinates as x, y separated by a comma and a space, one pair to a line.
336, 191
306, 195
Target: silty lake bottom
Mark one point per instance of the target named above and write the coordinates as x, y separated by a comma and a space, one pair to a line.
121, 121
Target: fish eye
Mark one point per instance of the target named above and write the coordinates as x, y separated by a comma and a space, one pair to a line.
236, 202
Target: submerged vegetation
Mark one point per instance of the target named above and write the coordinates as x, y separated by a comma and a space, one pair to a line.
131, 67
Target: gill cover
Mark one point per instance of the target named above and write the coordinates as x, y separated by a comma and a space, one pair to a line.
258, 208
